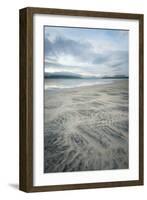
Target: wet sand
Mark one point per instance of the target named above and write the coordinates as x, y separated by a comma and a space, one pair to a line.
86, 128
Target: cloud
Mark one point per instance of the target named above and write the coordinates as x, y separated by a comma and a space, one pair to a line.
61, 46
71, 55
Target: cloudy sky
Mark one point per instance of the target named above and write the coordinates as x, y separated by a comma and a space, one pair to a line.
88, 52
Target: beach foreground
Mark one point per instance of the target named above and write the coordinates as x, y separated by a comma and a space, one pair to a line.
86, 128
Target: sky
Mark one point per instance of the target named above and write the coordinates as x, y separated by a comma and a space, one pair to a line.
87, 52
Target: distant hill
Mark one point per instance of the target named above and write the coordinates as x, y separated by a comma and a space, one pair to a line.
62, 75
115, 77
69, 75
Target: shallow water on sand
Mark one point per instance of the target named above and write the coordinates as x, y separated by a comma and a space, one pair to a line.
72, 83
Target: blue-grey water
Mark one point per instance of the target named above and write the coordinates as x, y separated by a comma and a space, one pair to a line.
72, 83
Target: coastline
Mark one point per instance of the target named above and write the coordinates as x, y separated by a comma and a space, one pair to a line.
86, 128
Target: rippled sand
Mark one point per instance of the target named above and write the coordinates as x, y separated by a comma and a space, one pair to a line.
86, 128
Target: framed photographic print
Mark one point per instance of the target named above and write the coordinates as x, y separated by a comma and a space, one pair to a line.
81, 99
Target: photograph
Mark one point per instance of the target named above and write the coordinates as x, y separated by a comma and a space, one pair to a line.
86, 99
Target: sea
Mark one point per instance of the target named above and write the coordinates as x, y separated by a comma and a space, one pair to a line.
56, 83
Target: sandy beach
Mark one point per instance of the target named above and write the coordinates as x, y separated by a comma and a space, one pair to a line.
86, 128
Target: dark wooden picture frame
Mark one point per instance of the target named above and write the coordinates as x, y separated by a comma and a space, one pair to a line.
26, 99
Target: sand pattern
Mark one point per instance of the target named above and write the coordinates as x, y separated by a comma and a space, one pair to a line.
86, 128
